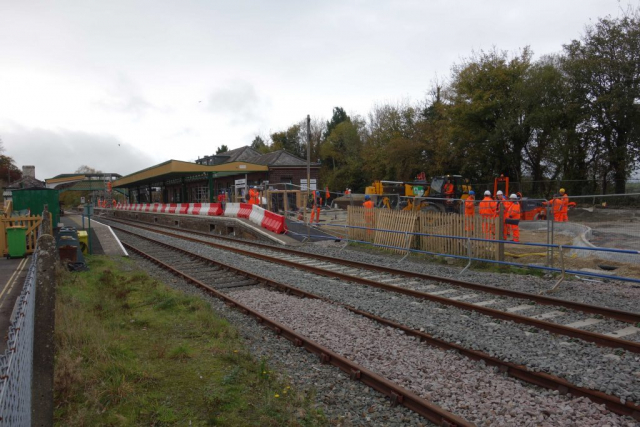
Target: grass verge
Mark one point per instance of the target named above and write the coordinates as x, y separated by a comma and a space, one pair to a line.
131, 351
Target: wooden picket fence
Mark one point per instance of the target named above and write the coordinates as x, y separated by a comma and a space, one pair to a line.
401, 225
452, 224
403, 221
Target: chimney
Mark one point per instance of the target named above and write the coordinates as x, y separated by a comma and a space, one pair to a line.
28, 171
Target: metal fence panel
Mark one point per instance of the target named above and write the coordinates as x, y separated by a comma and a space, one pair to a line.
16, 364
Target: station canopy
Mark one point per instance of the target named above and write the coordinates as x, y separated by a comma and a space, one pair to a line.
81, 182
173, 171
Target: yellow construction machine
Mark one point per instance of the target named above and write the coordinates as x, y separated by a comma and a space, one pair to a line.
442, 194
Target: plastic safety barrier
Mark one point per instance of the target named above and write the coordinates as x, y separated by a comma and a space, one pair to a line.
194, 208
232, 209
183, 208
172, 208
274, 222
215, 209
257, 215
245, 210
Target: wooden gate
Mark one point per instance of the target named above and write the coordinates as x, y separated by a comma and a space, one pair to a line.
30, 222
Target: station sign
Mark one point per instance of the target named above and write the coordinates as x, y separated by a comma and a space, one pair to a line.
303, 184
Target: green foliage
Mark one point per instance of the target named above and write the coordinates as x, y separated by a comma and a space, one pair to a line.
222, 149
289, 140
604, 73
339, 116
258, 144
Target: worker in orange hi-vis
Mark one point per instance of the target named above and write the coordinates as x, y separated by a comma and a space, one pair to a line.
512, 219
368, 213
488, 209
448, 189
556, 207
327, 195
469, 210
256, 196
505, 208
315, 207
565, 206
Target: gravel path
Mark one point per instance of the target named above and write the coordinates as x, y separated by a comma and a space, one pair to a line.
615, 372
466, 388
343, 401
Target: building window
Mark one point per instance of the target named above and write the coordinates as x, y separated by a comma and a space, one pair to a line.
199, 194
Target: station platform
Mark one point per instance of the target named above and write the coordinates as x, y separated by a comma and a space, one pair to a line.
13, 273
103, 239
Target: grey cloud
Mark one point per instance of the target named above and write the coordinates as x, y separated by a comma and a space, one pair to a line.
125, 97
239, 100
63, 151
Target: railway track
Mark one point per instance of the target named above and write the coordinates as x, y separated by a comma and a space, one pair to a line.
618, 328
220, 279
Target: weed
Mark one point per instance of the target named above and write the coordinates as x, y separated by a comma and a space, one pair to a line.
181, 352
232, 376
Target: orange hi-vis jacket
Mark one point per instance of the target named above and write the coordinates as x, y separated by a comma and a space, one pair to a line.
513, 210
469, 206
448, 189
488, 207
557, 205
565, 203
368, 204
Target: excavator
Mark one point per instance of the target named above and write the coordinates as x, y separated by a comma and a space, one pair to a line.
422, 195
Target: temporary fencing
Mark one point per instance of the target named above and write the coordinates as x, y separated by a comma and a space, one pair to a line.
461, 237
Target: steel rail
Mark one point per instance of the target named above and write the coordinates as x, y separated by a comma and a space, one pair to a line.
596, 338
517, 371
623, 316
397, 394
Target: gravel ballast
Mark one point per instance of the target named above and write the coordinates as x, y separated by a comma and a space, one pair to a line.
466, 388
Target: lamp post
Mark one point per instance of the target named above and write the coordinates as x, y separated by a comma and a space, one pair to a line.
308, 174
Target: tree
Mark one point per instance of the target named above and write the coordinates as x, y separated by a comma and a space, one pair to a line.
222, 149
9, 172
488, 114
339, 116
341, 156
289, 140
84, 169
604, 71
259, 145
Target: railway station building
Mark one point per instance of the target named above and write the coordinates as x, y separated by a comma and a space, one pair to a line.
202, 181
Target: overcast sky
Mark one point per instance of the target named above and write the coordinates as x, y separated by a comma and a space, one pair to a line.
122, 85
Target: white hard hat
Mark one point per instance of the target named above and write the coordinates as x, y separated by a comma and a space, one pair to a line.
499, 193
513, 196
487, 193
